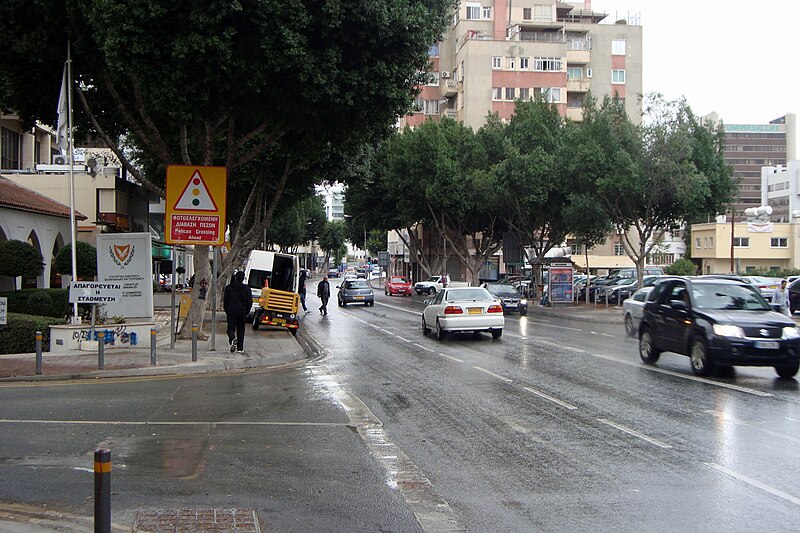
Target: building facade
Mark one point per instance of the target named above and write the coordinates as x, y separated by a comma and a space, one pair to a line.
498, 51
756, 246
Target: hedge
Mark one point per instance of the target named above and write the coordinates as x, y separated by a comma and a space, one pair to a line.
19, 335
39, 302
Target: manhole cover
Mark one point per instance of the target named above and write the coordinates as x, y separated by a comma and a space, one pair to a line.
197, 521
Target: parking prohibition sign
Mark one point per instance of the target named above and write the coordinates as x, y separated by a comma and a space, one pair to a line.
195, 205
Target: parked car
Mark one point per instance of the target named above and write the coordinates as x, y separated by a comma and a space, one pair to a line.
632, 309
764, 284
794, 295
622, 289
432, 285
509, 297
717, 322
355, 291
397, 285
463, 309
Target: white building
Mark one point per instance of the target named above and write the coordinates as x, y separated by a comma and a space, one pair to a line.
780, 189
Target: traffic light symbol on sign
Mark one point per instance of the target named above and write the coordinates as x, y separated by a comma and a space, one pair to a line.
195, 196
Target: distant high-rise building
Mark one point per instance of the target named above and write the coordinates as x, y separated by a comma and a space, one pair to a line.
498, 51
748, 147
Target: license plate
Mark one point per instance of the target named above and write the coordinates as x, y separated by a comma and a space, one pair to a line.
475, 310
358, 297
769, 345
279, 321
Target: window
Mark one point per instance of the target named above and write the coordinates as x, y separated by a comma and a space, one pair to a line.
741, 242
511, 93
778, 242
619, 249
617, 47
497, 62
574, 73
697, 243
576, 249
497, 93
524, 63
527, 13
543, 12
433, 51
511, 62
618, 76
524, 93
551, 94
9, 142
547, 64
486, 12
431, 107
473, 11
433, 78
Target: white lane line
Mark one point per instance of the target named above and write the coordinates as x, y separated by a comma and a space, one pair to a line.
755, 483
552, 399
636, 434
405, 340
498, 376
423, 347
167, 423
552, 325
456, 359
417, 313
679, 375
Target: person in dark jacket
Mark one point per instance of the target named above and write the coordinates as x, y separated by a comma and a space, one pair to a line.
324, 293
237, 301
302, 289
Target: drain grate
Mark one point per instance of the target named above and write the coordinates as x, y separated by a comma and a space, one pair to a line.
196, 521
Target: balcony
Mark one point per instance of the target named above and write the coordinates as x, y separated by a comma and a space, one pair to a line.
449, 88
578, 57
575, 114
579, 85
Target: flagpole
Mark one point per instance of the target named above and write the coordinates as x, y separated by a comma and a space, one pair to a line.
73, 233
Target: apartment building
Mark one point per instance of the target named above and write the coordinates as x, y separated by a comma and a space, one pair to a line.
748, 148
498, 51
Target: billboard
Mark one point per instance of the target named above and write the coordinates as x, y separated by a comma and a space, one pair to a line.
127, 259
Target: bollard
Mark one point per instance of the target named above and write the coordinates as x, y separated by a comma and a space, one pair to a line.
194, 343
101, 352
102, 490
153, 333
38, 338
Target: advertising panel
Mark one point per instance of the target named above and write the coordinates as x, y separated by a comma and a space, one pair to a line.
127, 259
561, 286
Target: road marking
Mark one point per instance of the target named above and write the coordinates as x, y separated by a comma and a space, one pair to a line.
404, 339
424, 347
560, 346
168, 423
552, 325
636, 434
548, 397
498, 376
456, 359
755, 483
679, 375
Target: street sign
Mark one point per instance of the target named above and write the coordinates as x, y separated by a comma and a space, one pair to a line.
3, 310
383, 259
195, 205
94, 292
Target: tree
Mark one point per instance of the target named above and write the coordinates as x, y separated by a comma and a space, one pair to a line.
264, 88
85, 259
682, 267
377, 241
589, 225
19, 258
652, 177
332, 241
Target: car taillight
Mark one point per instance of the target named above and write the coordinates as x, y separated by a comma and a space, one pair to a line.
495, 309
453, 310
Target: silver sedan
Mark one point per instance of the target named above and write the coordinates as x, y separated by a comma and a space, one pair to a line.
632, 310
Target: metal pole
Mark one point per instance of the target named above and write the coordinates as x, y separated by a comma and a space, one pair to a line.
72, 222
102, 490
172, 327
153, 334
214, 271
38, 338
101, 352
194, 343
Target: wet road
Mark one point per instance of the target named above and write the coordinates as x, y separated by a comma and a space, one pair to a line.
557, 426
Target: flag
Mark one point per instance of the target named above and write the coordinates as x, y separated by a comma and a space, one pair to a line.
63, 114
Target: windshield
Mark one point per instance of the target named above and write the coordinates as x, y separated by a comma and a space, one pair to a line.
733, 297
360, 284
502, 290
399, 280
476, 293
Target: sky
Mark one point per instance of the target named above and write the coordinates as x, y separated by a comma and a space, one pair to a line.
733, 57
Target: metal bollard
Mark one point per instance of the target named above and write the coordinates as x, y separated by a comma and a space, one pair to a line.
102, 490
38, 338
153, 333
101, 352
194, 343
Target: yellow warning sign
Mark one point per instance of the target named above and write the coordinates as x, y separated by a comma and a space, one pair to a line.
195, 205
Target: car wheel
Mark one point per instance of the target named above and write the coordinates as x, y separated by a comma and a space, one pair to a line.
523, 312
629, 331
440, 333
647, 352
497, 333
425, 328
344, 304
701, 364
787, 371
431, 291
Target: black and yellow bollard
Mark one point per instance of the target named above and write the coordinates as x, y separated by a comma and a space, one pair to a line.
102, 490
38, 338
194, 343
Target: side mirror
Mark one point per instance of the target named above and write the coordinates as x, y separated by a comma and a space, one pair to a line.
776, 307
426, 302
679, 305
338, 286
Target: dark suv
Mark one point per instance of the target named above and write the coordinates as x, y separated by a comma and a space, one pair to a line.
717, 322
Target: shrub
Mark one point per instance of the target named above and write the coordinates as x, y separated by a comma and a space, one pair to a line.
19, 258
19, 336
39, 302
85, 259
681, 267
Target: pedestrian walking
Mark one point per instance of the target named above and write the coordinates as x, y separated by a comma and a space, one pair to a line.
781, 297
236, 301
302, 290
324, 293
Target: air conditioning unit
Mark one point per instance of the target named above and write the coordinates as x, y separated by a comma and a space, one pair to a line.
445, 74
60, 160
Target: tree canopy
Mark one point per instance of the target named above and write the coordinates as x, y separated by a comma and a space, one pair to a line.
85, 259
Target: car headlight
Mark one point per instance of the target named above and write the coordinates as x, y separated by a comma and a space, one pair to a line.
523, 302
728, 330
791, 332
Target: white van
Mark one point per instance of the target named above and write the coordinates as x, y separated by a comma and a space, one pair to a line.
280, 271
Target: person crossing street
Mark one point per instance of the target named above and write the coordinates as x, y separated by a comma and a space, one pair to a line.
236, 301
324, 293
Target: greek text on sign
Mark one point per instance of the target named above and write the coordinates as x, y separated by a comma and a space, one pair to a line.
93, 292
194, 227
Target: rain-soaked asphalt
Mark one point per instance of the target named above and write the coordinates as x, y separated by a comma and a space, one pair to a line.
557, 426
